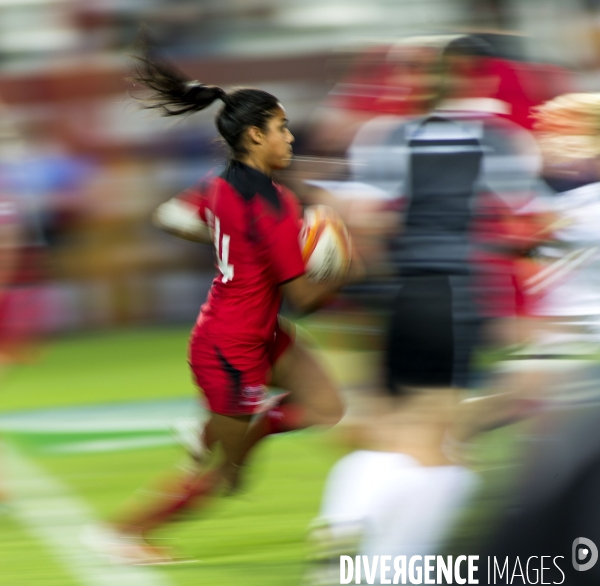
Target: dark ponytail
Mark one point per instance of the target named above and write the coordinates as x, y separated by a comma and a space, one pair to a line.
173, 93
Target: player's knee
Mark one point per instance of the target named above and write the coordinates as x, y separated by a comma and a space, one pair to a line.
331, 413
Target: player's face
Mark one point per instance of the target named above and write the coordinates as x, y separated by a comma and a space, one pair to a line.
278, 141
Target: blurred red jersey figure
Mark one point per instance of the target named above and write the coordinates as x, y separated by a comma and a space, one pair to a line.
10, 241
23, 249
11, 236
524, 85
401, 79
24, 305
398, 80
239, 344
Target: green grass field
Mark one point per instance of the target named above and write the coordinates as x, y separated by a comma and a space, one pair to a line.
89, 424
92, 416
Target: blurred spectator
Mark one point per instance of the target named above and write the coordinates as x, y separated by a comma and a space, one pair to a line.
21, 260
23, 269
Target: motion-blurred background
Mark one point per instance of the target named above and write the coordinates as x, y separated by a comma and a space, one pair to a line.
92, 166
90, 393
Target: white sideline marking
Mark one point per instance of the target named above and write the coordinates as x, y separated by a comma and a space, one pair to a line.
156, 420
150, 416
57, 518
78, 427
111, 445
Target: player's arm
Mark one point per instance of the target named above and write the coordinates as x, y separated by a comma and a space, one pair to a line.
186, 215
306, 295
181, 218
281, 238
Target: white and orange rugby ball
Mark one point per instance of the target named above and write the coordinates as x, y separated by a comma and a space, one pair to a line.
325, 244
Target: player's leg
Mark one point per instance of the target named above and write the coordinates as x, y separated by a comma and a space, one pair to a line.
415, 423
311, 389
223, 387
430, 341
193, 485
312, 398
313, 395
124, 540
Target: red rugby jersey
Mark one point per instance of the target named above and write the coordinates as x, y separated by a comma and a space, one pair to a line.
255, 225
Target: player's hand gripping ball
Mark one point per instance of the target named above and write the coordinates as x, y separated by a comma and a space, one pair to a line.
325, 244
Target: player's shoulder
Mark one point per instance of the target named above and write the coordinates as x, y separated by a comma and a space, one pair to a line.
287, 197
251, 184
199, 191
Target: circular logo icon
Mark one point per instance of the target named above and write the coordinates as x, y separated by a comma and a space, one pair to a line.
584, 549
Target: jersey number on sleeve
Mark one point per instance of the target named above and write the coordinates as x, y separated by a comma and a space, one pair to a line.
223, 257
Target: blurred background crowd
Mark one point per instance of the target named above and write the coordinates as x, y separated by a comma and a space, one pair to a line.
87, 167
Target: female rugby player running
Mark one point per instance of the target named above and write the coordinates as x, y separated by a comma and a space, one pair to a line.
239, 344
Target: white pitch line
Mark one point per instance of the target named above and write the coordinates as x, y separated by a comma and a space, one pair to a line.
76, 427
112, 445
56, 517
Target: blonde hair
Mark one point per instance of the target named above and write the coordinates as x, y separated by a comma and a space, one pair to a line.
568, 127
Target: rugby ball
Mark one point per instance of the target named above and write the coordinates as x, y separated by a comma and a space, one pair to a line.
325, 244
